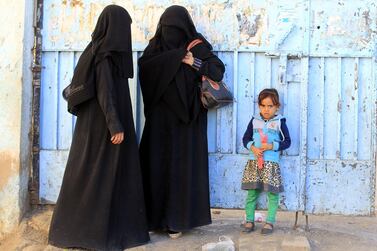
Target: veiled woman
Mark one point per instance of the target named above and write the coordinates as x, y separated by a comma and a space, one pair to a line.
101, 204
173, 148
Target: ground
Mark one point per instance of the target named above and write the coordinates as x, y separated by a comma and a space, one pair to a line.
326, 233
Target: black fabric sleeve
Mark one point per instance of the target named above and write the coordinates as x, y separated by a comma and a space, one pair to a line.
286, 139
106, 96
248, 135
156, 71
211, 66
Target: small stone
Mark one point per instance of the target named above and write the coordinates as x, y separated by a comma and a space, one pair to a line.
247, 242
299, 243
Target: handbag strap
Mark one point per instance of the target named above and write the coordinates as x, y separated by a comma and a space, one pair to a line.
214, 84
194, 43
211, 82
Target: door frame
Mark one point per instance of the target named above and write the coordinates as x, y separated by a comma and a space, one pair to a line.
36, 68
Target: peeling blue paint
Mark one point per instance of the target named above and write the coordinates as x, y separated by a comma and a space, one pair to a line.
319, 54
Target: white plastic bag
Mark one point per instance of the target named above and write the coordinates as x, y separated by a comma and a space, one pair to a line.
225, 243
260, 217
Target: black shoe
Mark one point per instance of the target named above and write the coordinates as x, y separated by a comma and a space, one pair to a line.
248, 229
266, 230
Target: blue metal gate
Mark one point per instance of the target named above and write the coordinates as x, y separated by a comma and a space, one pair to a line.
319, 54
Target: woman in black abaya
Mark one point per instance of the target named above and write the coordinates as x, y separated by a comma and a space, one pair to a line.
100, 205
173, 149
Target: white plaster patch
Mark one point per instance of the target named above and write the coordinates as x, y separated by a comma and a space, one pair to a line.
9, 205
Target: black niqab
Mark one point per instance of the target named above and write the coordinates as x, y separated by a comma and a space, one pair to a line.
101, 201
173, 37
166, 49
112, 35
174, 22
173, 148
111, 38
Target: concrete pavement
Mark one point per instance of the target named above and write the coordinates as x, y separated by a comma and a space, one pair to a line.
327, 233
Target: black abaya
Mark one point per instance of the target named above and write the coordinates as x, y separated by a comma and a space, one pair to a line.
173, 149
101, 204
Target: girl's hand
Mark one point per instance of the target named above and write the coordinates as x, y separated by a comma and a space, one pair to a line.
266, 147
117, 138
188, 59
256, 151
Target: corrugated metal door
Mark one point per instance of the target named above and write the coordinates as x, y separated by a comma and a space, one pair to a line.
319, 55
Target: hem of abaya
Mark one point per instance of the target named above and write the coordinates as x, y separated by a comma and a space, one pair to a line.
80, 246
175, 229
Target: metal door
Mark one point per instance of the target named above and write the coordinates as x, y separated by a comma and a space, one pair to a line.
320, 56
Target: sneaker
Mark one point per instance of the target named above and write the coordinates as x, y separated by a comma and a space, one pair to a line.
174, 235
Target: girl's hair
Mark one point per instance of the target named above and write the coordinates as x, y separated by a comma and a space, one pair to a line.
271, 93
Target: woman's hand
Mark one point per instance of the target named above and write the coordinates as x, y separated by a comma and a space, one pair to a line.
117, 138
188, 59
256, 151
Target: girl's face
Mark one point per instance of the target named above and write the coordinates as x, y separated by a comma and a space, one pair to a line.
267, 108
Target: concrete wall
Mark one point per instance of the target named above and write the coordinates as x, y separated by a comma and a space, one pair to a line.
16, 40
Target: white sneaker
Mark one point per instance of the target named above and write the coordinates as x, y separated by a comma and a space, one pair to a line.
174, 235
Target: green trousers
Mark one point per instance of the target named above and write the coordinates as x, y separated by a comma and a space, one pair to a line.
251, 203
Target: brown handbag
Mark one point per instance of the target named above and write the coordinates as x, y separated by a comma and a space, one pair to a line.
212, 94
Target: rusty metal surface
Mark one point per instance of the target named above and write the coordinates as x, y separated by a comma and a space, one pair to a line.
36, 69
